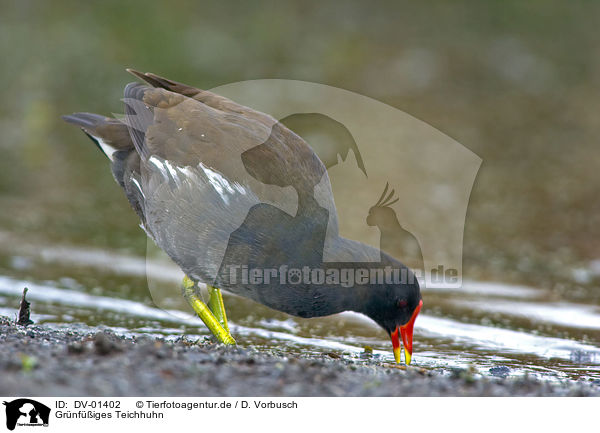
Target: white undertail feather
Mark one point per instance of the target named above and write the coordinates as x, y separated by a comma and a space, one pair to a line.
106, 148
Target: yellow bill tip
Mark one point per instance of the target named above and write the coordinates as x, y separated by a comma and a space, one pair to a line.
406, 357
397, 355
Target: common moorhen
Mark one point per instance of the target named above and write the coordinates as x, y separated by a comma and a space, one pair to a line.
241, 202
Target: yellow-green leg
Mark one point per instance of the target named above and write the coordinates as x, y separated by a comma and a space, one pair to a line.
216, 305
212, 323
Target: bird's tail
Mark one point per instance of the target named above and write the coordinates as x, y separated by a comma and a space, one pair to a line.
109, 134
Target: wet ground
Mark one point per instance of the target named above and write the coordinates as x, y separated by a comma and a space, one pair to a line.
78, 360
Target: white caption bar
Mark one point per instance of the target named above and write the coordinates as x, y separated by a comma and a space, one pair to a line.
156, 414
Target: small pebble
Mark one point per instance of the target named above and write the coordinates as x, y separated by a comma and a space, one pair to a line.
104, 345
500, 371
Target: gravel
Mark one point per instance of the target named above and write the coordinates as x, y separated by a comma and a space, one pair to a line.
40, 361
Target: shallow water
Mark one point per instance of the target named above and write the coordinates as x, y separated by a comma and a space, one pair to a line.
483, 325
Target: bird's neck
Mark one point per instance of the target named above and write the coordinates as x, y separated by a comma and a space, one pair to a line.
336, 298
349, 260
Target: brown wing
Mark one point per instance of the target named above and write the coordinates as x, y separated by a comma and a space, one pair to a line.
211, 99
189, 126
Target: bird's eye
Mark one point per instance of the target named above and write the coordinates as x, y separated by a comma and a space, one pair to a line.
401, 303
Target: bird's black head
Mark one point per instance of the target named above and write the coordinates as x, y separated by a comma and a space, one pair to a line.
395, 305
395, 308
